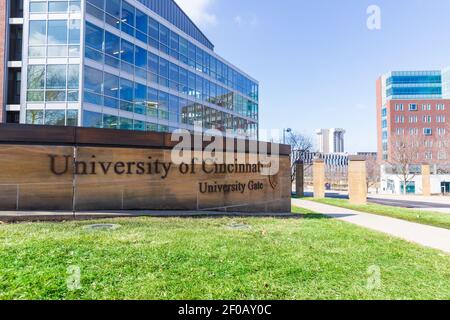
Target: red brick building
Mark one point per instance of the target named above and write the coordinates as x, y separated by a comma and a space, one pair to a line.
414, 107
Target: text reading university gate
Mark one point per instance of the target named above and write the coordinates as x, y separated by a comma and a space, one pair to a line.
81, 169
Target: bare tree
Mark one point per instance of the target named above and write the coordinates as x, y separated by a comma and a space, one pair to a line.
405, 154
373, 171
444, 144
299, 143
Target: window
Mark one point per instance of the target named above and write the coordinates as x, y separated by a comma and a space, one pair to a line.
153, 30
94, 36
126, 124
57, 6
35, 117
57, 32
126, 90
56, 76
38, 7
113, 8
110, 122
55, 117
111, 86
428, 131
73, 76
72, 118
426, 119
440, 119
128, 14
38, 33
74, 31
141, 22
36, 77
98, 3
413, 107
92, 119
127, 53
140, 57
112, 45
93, 80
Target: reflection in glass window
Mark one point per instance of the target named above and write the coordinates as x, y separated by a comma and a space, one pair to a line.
126, 124
74, 31
57, 6
55, 95
36, 77
153, 29
127, 53
57, 51
55, 117
98, 3
73, 76
74, 6
110, 122
93, 80
35, 117
141, 21
72, 118
57, 32
112, 44
38, 7
140, 57
35, 96
37, 32
113, 8
94, 36
111, 86
127, 13
92, 119
126, 90
56, 76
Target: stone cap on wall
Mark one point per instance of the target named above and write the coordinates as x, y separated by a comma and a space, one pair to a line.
77, 136
357, 158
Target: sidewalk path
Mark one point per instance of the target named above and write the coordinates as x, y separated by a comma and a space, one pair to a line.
428, 236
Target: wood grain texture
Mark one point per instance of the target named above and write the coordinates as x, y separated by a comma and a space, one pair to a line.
108, 178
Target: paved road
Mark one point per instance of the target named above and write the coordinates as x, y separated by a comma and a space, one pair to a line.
437, 238
391, 202
409, 204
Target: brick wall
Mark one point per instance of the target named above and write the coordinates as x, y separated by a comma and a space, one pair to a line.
2, 60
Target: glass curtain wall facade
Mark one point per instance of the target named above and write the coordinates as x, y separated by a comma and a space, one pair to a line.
118, 64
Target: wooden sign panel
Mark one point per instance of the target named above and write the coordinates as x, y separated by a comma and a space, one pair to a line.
34, 177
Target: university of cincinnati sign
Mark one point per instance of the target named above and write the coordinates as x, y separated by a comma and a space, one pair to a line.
60, 165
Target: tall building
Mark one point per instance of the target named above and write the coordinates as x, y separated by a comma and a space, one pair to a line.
11, 32
121, 64
414, 106
330, 140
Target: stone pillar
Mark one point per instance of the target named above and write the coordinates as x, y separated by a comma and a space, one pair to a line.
319, 179
300, 179
357, 180
426, 180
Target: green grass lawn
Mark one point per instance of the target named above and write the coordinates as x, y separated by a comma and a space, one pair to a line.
435, 219
149, 258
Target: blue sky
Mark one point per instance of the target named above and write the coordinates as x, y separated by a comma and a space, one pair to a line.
317, 62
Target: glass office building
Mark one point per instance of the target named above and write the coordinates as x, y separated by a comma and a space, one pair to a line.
131, 65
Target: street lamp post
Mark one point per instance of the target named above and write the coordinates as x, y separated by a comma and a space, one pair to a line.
288, 130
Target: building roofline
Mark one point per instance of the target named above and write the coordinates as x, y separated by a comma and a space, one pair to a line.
212, 44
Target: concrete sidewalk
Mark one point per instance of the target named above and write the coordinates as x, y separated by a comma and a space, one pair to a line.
436, 238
